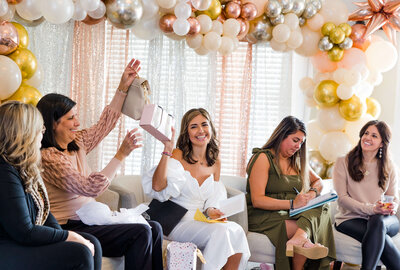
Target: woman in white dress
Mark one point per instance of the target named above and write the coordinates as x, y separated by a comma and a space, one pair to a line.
189, 176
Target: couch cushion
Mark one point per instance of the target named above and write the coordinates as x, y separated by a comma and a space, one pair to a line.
116, 263
261, 248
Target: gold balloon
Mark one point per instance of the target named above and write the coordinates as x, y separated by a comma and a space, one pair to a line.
325, 93
327, 27
373, 107
346, 28
329, 171
337, 35
317, 163
26, 61
351, 109
26, 94
335, 54
213, 11
23, 35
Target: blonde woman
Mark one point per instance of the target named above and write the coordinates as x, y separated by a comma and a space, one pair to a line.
30, 237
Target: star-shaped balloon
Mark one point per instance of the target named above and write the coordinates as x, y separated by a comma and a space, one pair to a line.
379, 13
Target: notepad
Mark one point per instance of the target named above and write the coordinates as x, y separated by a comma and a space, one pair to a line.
232, 206
318, 201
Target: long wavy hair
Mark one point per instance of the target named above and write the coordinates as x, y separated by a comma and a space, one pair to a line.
20, 124
53, 106
185, 145
355, 156
290, 125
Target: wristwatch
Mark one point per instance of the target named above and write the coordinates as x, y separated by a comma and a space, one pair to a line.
315, 190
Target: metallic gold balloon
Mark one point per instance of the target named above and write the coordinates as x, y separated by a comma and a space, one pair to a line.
213, 11
325, 93
373, 107
8, 38
351, 109
337, 35
166, 23
26, 61
329, 171
327, 27
232, 10
22, 34
26, 94
317, 163
346, 28
124, 14
336, 54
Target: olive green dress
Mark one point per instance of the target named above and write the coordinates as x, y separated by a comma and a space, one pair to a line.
315, 222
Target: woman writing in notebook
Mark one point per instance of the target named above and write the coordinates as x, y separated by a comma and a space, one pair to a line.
275, 173
361, 179
189, 176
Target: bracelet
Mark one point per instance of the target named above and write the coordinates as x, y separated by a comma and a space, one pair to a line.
168, 154
315, 190
291, 205
206, 211
122, 91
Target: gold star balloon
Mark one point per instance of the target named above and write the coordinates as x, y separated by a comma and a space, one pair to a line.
379, 13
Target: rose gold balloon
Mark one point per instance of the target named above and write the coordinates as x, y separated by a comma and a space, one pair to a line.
248, 11
13, 2
166, 23
357, 33
221, 18
90, 21
232, 10
194, 26
9, 39
244, 28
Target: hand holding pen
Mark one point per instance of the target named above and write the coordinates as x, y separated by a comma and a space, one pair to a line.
301, 198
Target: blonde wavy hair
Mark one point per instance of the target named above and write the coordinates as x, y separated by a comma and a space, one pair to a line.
20, 124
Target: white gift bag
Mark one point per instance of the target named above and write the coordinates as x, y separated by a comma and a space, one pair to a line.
183, 256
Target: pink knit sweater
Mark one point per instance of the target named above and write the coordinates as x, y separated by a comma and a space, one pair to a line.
357, 199
68, 178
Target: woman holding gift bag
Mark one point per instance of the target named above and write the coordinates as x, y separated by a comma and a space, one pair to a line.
30, 237
189, 176
362, 179
71, 184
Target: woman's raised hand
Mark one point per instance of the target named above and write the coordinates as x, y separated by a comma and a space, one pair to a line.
74, 237
170, 145
129, 74
129, 143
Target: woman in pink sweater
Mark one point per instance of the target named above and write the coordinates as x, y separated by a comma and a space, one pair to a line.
71, 184
361, 179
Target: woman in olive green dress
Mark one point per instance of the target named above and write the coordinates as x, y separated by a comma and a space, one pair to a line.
275, 173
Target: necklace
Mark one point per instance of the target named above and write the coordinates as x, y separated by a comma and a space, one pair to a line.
366, 173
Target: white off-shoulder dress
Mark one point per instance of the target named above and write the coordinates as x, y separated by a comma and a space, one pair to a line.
218, 241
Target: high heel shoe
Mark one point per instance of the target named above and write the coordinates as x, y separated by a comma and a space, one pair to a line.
318, 251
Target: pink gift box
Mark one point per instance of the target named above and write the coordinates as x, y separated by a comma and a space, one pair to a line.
157, 122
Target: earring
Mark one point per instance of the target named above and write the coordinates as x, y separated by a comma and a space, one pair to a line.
380, 152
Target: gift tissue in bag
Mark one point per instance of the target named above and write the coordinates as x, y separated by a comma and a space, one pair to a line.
157, 122
183, 256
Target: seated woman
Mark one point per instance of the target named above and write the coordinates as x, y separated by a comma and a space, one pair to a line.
71, 184
361, 178
275, 173
30, 237
190, 177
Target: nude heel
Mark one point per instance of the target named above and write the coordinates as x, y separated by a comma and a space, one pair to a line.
289, 250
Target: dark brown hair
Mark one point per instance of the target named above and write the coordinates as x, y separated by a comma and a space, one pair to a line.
355, 156
185, 145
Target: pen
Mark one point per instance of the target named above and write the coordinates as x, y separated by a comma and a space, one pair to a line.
295, 189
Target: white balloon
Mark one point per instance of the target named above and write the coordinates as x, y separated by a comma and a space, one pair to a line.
147, 29
10, 77
181, 27
227, 45
333, 145
212, 41
307, 86
217, 27
338, 75
79, 12
353, 128
292, 21
352, 77
57, 11
167, 4
374, 77
381, 56
310, 102
231, 27
295, 40
150, 9
201, 4
277, 46
98, 12
3, 7
281, 33
363, 69
334, 11
90, 5
329, 119
205, 23
182, 10
194, 42
37, 78
314, 135
201, 51
363, 90
29, 9
344, 91
319, 77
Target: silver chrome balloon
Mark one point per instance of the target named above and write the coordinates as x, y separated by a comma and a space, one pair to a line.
298, 7
124, 14
286, 6
317, 4
324, 44
302, 21
309, 11
346, 44
273, 8
262, 31
277, 20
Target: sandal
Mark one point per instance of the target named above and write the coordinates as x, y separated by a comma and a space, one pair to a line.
318, 251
